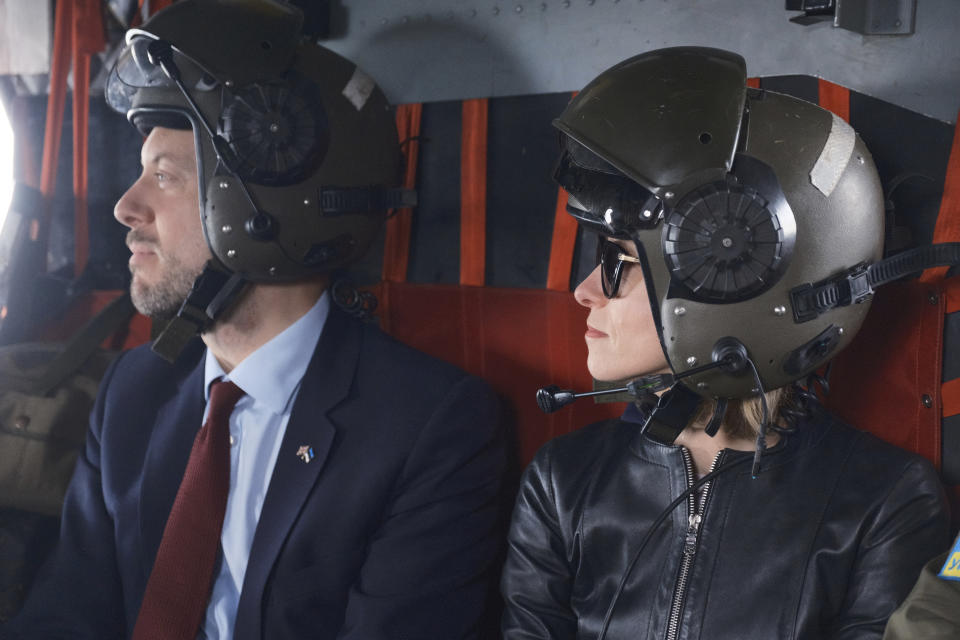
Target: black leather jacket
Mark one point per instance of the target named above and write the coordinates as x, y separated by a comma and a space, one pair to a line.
825, 543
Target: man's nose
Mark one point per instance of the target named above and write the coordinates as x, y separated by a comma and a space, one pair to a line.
589, 293
131, 209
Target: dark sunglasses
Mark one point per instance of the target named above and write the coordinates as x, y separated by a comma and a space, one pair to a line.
610, 257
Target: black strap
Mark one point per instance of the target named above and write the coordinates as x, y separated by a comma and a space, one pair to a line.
77, 351
212, 293
857, 285
358, 200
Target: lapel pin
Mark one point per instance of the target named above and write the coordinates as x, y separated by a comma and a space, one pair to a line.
305, 453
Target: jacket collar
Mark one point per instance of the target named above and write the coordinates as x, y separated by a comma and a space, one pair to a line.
327, 382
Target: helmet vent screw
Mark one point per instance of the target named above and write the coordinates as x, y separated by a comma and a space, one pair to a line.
224, 184
647, 214
306, 202
702, 385
679, 311
231, 253
226, 228
779, 310
860, 159
272, 271
668, 195
727, 243
274, 127
840, 330
692, 361
228, 83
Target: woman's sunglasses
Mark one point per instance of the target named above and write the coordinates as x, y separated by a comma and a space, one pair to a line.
610, 257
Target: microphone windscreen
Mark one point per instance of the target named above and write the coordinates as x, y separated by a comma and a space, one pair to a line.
551, 398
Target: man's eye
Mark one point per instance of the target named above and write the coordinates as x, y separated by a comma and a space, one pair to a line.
160, 177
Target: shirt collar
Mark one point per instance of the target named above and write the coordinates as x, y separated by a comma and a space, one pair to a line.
271, 374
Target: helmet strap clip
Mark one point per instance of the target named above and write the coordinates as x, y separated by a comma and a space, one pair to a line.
673, 412
213, 292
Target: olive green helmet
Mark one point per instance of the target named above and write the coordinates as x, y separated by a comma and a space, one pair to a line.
297, 148
755, 214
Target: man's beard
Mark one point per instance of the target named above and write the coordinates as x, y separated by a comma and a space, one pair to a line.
163, 298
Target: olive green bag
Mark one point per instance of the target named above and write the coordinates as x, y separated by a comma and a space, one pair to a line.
46, 394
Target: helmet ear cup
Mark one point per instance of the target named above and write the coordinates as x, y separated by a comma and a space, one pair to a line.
724, 243
277, 132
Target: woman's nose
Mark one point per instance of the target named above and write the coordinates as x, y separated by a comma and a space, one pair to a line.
589, 293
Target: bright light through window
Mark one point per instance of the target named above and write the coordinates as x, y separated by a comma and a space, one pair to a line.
6, 164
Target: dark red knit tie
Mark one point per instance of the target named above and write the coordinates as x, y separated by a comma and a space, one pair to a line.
178, 591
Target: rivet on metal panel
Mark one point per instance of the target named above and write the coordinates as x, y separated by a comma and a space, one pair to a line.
933, 299
927, 401
496, 11
21, 422
518, 8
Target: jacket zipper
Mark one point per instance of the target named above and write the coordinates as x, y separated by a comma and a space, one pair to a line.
690, 541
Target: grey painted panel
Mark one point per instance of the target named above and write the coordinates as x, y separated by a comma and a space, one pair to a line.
428, 50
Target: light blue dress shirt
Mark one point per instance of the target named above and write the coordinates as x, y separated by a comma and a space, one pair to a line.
270, 377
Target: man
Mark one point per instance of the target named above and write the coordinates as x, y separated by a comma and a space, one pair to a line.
342, 485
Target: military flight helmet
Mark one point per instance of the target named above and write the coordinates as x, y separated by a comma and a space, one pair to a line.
755, 214
297, 150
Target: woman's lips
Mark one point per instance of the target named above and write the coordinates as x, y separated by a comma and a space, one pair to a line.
594, 333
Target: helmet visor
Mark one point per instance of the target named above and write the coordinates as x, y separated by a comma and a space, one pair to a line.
138, 67
603, 197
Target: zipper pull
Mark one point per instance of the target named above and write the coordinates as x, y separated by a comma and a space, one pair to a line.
693, 528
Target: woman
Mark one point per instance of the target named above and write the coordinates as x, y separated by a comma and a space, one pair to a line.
735, 231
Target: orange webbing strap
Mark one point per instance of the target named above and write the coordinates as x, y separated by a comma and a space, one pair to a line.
948, 218
562, 246
835, 98
59, 67
563, 243
396, 248
88, 39
473, 192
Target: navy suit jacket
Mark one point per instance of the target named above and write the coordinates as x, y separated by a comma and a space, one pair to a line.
391, 531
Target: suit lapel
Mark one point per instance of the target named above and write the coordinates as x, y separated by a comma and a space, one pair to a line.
176, 424
325, 383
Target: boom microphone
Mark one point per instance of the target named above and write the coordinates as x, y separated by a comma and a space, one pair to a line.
551, 398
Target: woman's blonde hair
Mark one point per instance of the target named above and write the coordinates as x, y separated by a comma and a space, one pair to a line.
745, 415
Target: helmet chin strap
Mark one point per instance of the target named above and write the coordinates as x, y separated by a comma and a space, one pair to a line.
214, 291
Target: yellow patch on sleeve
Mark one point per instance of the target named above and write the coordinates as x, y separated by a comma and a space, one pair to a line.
951, 568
